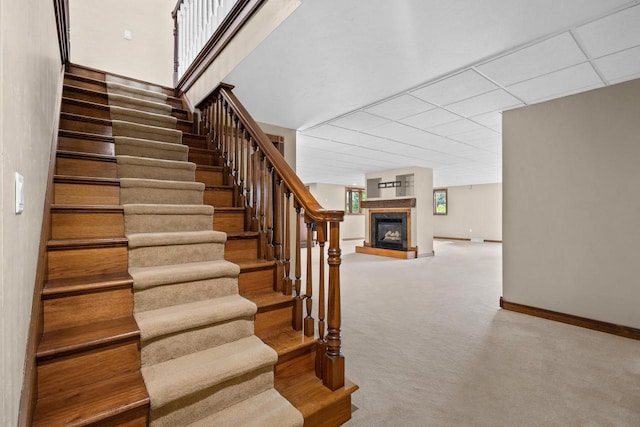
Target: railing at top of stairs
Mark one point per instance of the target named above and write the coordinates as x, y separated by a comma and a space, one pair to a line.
269, 189
202, 28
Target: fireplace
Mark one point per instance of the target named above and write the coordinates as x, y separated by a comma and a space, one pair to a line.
389, 230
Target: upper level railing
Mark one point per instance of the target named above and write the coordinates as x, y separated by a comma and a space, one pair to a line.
269, 190
202, 28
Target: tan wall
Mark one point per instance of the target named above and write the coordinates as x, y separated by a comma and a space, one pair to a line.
30, 78
97, 37
332, 196
475, 211
571, 205
261, 24
421, 215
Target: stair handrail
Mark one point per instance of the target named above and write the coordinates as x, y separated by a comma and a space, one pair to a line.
263, 184
312, 208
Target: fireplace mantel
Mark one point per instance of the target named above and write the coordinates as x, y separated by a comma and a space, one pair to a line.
389, 203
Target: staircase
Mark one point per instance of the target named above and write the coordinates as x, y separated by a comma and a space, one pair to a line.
159, 306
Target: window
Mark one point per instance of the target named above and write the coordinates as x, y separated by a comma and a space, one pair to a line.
440, 201
353, 197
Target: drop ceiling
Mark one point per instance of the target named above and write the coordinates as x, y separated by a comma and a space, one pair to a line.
373, 85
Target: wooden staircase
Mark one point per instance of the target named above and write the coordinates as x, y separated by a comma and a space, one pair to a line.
88, 358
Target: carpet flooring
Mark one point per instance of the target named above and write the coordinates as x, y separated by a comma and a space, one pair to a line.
428, 345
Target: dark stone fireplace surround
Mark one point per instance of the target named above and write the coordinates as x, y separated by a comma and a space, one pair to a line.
389, 230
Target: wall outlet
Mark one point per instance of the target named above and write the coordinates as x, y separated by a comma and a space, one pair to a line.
19, 194
127, 35
470, 231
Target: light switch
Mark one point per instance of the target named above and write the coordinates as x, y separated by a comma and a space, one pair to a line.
19, 193
127, 34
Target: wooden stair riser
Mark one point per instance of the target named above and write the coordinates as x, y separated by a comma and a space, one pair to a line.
86, 225
218, 196
86, 194
67, 263
82, 94
136, 417
86, 367
184, 126
238, 249
88, 125
290, 365
86, 145
334, 414
268, 321
210, 178
194, 141
75, 70
81, 309
201, 158
98, 86
228, 221
73, 106
256, 281
86, 167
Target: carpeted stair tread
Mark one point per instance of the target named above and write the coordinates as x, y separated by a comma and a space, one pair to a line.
123, 89
148, 277
137, 240
176, 318
186, 375
267, 409
158, 163
139, 104
160, 183
155, 209
143, 117
136, 130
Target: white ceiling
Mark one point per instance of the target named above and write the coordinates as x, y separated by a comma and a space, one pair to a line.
375, 85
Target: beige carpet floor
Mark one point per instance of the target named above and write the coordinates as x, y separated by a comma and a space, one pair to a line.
428, 345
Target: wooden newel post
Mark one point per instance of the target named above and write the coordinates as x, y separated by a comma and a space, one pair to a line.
333, 369
321, 346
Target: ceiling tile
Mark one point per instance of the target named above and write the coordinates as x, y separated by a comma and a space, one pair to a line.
455, 88
549, 55
402, 106
480, 134
430, 118
497, 100
322, 144
359, 121
327, 132
620, 65
559, 83
491, 120
611, 33
397, 132
452, 128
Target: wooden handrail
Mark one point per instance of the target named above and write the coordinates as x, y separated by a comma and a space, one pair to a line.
61, 10
311, 206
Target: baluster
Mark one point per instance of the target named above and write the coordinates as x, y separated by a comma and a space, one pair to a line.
263, 198
219, 112
249, 200
321, 346
269, 213
286, 283
255, 208
296, 321
241, 151
333, 368
277, 231
308, 320
225, 138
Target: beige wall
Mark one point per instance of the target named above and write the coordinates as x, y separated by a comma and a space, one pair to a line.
261, 24
30, 76
475, 211
332, 196
97, 37
571, 205
421, 215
